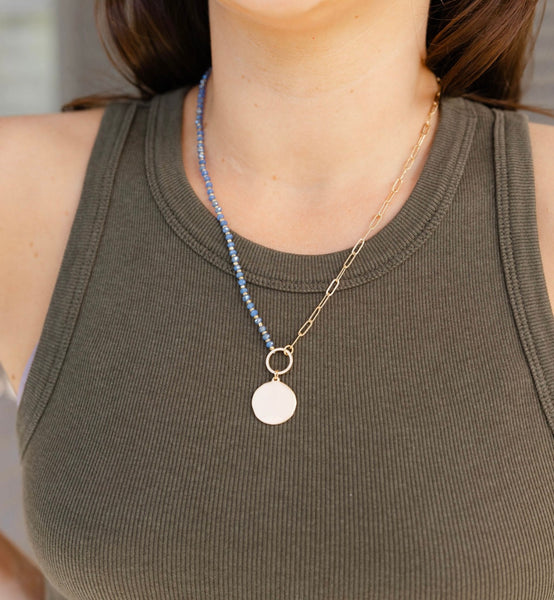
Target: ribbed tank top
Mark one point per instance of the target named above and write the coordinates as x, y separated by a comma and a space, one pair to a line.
420, 460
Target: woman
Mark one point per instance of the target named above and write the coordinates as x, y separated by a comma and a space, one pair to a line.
389, 440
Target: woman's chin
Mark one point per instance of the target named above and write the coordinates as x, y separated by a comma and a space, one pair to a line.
281, 11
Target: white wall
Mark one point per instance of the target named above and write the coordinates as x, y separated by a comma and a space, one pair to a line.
28, 56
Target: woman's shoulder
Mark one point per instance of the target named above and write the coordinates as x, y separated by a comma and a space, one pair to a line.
542, 147
542, 143
27, 135
39, 153
43, 162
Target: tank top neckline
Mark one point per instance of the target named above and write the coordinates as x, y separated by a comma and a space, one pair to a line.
390, 246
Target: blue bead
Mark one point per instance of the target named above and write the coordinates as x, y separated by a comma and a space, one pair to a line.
237, 267
233, 253
242, 282
266, 336
219, 217
262, 328
224, 222
254, 313
250, 305
269, 344
258, 320
228, 236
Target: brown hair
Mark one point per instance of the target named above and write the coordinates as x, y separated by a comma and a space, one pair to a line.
479, 48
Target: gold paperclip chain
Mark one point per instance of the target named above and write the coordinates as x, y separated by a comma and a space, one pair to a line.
359, 245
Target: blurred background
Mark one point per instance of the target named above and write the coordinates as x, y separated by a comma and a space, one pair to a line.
49, 54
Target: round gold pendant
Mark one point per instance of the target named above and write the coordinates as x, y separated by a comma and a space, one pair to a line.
274, 402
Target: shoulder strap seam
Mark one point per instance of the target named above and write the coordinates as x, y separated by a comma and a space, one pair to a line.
514, 270
75, 272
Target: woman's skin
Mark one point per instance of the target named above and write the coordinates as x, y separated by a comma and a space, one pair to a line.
312, 108
19, 577
310, 118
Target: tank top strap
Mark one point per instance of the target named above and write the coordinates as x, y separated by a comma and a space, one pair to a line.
76, 266
520, 251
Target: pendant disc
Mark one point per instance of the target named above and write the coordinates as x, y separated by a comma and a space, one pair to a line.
274, 402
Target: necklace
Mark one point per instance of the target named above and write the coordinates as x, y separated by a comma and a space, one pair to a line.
275, 402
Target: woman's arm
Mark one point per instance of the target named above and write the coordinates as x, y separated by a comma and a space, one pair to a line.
19, 577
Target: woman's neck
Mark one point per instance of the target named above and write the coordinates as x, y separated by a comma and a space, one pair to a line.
317, 104
313, 115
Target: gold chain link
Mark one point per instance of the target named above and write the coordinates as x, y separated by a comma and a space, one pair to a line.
360, 243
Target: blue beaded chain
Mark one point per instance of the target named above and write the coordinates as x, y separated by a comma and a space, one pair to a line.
219, 215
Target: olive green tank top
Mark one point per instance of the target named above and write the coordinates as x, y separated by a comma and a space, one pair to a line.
420, 460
